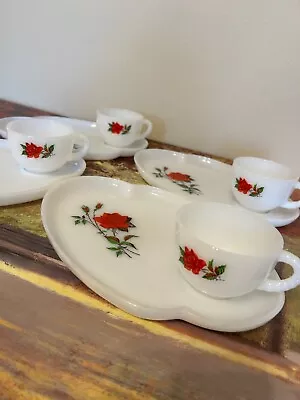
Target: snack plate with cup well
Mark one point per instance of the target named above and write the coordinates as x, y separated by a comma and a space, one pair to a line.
120, 240
98, 149
19, 185
198, 178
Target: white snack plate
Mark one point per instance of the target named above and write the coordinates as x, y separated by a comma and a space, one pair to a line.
148, 285
197, 178
19, 186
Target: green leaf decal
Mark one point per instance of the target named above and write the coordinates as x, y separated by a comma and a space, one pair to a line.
112, 239
127, 237
129, 244
123, 229
210, 276
220, 269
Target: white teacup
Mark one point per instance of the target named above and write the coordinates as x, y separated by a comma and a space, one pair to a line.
120, 127
226, 251
43, 146
263, 185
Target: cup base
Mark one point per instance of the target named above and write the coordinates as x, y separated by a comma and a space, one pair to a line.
119, 145
39, 173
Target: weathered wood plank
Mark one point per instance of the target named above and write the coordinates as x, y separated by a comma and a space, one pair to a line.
48, 272
61, 349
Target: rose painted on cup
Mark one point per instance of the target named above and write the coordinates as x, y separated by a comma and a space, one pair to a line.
32, 150
117, 129
121, 127
192, 262
243, 186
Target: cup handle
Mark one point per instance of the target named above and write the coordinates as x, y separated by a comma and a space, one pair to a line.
292, 204
148, 129
271, 285
80, 149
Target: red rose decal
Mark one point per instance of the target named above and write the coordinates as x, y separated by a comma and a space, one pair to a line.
111, 227
115, 128
32, 150
178, 176
246, 188
243, 186
118, 129
192, 262
184, 181
113, 221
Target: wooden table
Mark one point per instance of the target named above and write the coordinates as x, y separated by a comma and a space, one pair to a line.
58, 340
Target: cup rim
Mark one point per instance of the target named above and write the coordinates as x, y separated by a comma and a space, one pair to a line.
132, 115
239, 210
11, 128
238, 162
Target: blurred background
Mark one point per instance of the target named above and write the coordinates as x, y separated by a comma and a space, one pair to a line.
220, 76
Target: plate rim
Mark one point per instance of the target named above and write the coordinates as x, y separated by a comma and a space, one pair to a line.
29, 195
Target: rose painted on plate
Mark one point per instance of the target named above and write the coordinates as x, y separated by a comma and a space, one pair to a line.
178, 176
184, 181
31, 150
243, 186
113, 221
118, 129
112, 227
192, 262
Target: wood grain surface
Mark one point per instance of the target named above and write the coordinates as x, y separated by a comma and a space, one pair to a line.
61, 341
